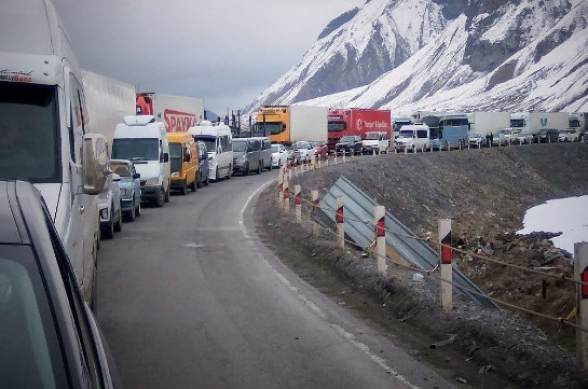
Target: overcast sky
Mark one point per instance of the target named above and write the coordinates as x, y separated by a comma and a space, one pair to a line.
227, 51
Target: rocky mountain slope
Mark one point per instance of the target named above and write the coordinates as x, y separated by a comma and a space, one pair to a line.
451, 55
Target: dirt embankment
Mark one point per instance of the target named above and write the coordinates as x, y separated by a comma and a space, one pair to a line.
486, 193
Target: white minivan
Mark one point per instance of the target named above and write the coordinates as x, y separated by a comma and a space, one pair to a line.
144, 141
413, 138
46, 135
219, 143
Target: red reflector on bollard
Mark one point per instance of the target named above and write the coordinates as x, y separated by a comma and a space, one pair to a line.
584, 278
286, 193
340, 215
281, 187
314, 204
446, 252
381, 228
298, 199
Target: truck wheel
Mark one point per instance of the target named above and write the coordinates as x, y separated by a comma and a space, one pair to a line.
167, 196
118, 224
160, 201
183, 188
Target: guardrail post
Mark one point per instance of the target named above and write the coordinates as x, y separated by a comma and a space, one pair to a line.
340, 223
289, 173
336, 155
380, 231
281, 186
373, 152
286, 196
405, 149
581, 273
315, 226
298, 203
445, 258
344, 154
319, 162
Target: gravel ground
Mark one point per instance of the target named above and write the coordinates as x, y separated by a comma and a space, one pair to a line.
485, 192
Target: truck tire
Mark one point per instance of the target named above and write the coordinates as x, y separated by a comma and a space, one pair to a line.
160, 201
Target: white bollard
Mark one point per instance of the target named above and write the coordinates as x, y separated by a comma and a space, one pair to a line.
581, 274
315, 226
373, 152
298, 203
336, 154
445, 258
380, 232
340, 225
344, 154
289, 173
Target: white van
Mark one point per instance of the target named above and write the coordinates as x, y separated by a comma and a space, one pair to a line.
219, 143
144, 141
45, 130
413, 138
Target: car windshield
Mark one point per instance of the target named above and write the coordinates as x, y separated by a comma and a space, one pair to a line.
405, 134
373, 136
29, 356
175, 157
209, 141
137, 149
347, 139
240, 146
475, 136
122, 169
30, 142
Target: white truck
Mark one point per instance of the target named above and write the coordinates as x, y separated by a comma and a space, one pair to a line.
44, 125
485, 123
108, 101
532, 122
579, 121
178, 113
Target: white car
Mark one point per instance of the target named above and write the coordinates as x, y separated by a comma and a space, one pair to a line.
375, 141
110, 210
279, 155
305, 149
524, 138
569, 135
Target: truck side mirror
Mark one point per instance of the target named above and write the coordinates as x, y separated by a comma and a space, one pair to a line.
186, 157
136, 176
96, 165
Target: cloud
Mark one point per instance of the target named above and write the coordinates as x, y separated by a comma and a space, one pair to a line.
222, 50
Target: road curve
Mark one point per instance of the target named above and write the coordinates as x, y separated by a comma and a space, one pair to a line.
188, 297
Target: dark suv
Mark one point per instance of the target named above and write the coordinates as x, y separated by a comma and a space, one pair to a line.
546, 135
350, 145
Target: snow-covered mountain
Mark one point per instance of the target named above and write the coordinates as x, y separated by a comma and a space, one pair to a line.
447, 55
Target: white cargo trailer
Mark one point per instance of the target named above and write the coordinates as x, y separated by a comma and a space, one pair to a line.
532, 122
178, 113
488, 122
108, 102
308, 123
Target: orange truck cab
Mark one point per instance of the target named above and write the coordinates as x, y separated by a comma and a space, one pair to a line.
183, 161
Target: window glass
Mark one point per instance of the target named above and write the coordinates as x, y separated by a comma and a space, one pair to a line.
30, 356
140, 149
256, 145
122, 169
421, 133
267, 144
29, 142
240, 146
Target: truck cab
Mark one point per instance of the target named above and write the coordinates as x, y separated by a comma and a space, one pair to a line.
41, 95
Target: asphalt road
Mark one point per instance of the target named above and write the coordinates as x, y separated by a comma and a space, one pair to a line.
188, 297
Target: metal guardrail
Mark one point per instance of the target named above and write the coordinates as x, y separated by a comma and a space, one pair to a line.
359, 206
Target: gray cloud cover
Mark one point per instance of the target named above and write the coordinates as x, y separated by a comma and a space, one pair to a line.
227, 51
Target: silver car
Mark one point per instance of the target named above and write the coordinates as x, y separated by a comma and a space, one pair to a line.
247, 156
110, 210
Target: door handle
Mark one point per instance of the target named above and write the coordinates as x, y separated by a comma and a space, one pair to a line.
82, 209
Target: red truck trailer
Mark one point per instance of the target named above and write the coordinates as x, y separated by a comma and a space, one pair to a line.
357, 122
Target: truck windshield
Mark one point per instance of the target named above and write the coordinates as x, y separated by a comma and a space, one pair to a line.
138, 149
209, 141
265, 129
336, 127
29, 141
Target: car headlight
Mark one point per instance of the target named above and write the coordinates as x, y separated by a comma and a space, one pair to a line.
152, 182
175, 174
242, 158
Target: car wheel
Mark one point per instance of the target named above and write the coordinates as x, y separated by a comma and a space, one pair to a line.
138, 209
246, 171
118, 224
167, 196
131, 215
207, 181
184, 188
160, 201
259, 167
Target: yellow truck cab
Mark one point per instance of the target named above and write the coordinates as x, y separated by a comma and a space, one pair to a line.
184, 161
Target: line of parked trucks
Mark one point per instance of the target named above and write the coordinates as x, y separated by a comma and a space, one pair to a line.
367, 130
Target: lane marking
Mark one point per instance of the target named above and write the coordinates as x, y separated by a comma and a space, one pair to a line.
251, 198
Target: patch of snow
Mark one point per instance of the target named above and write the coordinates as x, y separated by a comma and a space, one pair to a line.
569, 216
